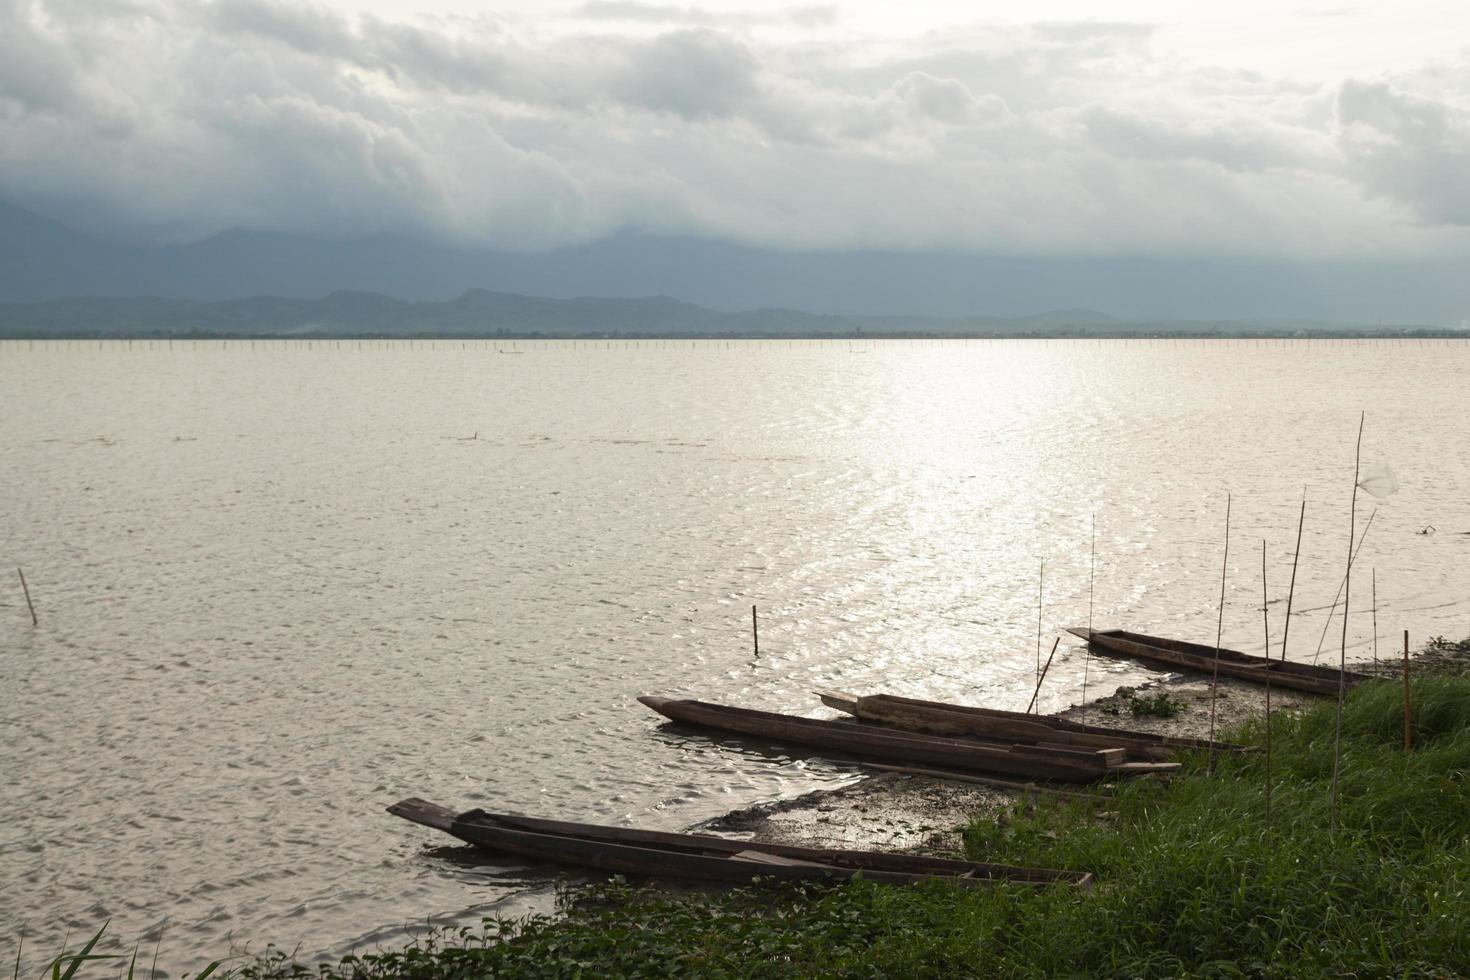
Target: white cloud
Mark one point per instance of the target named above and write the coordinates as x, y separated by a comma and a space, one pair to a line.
182, 117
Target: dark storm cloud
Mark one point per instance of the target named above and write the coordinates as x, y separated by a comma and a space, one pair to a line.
1410, 149
178, 118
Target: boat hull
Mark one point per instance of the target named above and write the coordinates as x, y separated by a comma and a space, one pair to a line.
992, 725
1230, 663
623, 850
866, 741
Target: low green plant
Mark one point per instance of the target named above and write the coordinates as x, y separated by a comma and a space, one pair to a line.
67, 964
1161, 705
1158, 706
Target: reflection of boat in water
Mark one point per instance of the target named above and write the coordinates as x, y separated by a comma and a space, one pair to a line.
1065, 763
1232, 663
995, 725
624, 850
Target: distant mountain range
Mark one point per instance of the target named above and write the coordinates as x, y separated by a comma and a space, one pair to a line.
480, 312
476, 312
720, 288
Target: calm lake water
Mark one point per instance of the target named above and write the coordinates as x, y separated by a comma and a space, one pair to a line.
282, 585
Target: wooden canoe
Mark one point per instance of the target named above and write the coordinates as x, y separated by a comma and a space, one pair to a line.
1036, 761
993, 724
1201, 657
623, 850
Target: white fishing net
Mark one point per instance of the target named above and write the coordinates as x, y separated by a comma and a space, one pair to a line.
1378, 480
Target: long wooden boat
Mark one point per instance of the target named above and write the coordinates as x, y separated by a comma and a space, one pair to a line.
623, 850
1036, 760
1232, 663
991, 724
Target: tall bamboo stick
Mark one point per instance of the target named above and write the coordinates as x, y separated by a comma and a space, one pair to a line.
1040, 582
1408, 738
1091, 577
1328, 625
1375, 620
1347, 593
1266, 623
1291, 592
1219, 632
755, 633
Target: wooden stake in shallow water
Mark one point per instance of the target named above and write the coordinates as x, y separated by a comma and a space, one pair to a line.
1347, 593
26, 589
1219, 633
755, 633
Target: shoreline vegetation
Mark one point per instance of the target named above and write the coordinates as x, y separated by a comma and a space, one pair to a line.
1192, 876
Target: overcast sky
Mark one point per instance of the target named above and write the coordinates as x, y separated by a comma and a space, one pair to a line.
1038, 128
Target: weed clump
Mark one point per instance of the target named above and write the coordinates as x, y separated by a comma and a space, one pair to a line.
1161, 705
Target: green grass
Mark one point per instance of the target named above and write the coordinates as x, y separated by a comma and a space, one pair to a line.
68, 964
1190, 882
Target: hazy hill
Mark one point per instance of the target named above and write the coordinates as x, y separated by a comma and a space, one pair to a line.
43, 260
480, 312
476, 312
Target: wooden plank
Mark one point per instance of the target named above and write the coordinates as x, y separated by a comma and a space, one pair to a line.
1110, 757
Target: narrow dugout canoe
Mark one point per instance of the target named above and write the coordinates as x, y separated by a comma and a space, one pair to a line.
623, 850
1200, 657
1036, 761
992, 724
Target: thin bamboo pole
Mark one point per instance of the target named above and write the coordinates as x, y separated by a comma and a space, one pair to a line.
1040, 582
1347, 593
27, 590
1091, 578
755, 633
1375, 620
1328, 625
1219, 633
1035, 694
1291, 592
1266, 624
1408, 737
